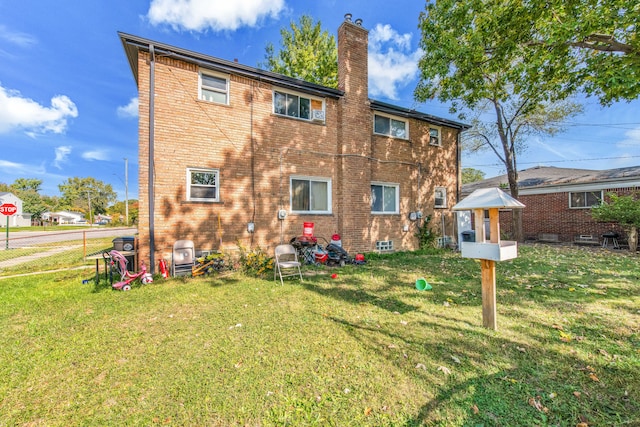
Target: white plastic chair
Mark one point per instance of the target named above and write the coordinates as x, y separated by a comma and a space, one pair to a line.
286, 262
183, 258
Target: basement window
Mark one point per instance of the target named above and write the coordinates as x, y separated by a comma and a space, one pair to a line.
384, 245
203, 185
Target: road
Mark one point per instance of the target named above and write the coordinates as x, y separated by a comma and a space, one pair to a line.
21, 239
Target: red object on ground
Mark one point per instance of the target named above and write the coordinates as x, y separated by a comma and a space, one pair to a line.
334, 276
359, 257
163, 268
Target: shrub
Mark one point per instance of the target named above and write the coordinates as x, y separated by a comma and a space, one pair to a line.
255, 262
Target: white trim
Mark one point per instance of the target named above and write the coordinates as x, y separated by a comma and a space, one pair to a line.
584, 192
445, 197
391, 117
397, 201
310, 179
439, 129
216, 75
217, 185
299, 95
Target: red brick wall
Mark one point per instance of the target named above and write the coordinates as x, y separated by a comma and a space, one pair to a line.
550, 213
257, 152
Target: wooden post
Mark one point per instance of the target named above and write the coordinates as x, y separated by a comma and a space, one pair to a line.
488, 294
494, 225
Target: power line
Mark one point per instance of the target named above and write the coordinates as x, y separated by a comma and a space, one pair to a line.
558, 161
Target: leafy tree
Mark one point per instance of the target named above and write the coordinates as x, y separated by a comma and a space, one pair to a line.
27, 184
554, 46
118, 211
306, 53
87, 195
471, 175
457, 67
625, 210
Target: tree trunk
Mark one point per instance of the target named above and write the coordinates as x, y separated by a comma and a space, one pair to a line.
633, 239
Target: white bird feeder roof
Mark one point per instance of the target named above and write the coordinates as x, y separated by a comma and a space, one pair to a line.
488, 198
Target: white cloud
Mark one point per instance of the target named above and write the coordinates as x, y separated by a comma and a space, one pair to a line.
95, 155
392, 64
16, 38
218, 15
129, 110
62, 153
631, 137
17, 112
20, 169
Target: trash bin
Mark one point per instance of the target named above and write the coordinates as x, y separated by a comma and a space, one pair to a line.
124, 243
468, 236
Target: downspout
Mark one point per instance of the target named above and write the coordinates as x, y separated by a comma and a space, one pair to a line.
151, 172
458, 171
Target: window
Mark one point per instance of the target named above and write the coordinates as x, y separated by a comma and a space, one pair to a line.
440, 197
434, 136
384, 125
384, 245
203, 185
310, 195
585, 199
292, 105
385, 198
214, 88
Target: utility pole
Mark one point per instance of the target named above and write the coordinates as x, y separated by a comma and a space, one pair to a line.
126, 190
89, 199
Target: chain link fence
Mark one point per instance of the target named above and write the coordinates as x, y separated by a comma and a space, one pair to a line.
40, 251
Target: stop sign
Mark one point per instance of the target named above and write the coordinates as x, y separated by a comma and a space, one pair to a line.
8, 209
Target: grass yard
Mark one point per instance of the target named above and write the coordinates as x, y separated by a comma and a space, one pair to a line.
364, 349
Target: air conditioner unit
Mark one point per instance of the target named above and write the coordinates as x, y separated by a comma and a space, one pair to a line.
317, 115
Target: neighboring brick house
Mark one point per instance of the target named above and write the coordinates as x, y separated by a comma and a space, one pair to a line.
232, 147
557, 201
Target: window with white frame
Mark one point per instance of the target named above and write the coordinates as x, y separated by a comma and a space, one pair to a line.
386, 125
584, 199
440, 197
385, 198
297, 105
434, 136
214, 87
203, 185
310, 195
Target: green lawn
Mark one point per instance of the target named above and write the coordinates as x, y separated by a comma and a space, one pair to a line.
363, 349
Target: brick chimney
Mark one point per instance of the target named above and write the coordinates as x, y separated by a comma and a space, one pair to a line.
355, 129
353, 41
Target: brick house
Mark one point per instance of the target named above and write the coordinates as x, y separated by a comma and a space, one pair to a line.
557, 201
243, 155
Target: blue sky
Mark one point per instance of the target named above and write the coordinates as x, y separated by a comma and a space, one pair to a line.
68, 101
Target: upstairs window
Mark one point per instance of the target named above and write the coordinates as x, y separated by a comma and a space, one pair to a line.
298, 106
440, 197
434, 136
203, 185
585, 199
385, 198
214, 88
310, 195
384, 125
